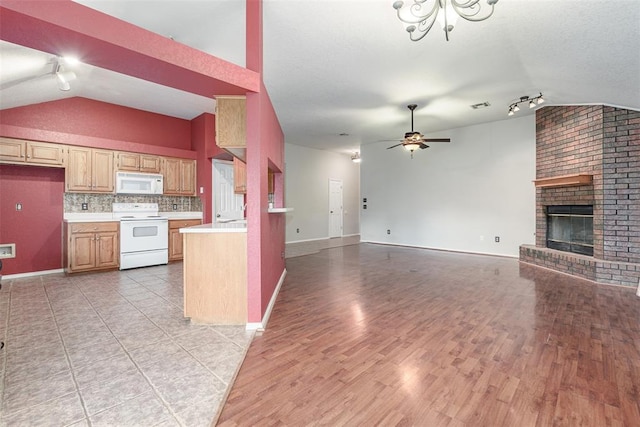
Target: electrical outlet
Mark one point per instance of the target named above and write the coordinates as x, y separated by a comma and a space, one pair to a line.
364, 206
297, 230
497, 239
18, 206
175, 206
388, 231
85, 206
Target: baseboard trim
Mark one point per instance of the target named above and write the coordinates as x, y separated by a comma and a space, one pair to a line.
439, 249
32, 274
261, 326
314, 246
320, 239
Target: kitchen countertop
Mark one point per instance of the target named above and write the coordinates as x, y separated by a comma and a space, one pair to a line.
216, 227
108, 216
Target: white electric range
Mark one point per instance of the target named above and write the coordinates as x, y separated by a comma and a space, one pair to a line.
144, 235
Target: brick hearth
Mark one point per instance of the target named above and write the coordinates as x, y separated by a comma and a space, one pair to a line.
604, 142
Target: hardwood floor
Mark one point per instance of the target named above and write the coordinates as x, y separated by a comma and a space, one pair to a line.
378, 335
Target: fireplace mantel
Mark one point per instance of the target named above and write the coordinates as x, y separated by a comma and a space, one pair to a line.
564, 180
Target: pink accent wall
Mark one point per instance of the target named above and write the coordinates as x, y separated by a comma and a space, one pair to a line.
37, 229
82, 116
265, 146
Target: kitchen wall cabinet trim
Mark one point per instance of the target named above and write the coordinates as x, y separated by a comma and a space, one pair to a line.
231, 125
179, 176
136, 162
89, 170
17, 151
239, 176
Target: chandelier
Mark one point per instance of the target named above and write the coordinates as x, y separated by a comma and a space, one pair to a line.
420, 15
533, 102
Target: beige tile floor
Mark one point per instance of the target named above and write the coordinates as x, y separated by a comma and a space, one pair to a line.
111, 349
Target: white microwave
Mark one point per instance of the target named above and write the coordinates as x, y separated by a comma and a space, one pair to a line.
139, 183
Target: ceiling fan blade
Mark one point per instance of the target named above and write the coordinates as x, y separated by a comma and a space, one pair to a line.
436, 140
423, 146
394, 146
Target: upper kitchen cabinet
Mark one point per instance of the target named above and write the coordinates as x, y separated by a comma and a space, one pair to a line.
134, 162
89, 171
231, 125
19, 151
239, 176
179, 176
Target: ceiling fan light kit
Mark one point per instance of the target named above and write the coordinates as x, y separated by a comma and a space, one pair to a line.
414, 140
419, 15
532, 101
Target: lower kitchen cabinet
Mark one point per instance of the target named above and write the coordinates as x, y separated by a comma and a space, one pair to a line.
91, 246
175, 238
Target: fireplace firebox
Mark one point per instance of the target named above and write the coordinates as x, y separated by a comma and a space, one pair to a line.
570, 228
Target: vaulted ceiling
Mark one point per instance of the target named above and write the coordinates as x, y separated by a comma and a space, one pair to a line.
341, 73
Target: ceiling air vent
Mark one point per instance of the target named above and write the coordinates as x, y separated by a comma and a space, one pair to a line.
484, 104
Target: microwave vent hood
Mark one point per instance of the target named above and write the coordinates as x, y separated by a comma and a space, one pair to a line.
139, 183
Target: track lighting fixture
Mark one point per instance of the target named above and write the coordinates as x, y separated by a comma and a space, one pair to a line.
63, 77
533, 103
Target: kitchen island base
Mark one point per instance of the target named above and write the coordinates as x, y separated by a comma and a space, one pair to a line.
215, 276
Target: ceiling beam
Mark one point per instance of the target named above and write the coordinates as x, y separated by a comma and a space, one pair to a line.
68, 28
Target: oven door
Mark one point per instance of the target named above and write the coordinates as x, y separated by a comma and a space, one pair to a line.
144, 235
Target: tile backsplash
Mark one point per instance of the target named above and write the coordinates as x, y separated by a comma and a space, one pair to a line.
97, 203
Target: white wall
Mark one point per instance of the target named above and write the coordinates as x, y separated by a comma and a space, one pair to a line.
307, 173
457, 195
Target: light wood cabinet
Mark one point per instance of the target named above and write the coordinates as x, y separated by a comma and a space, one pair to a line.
231, 125
179, 176
215, 278
239, 176
89, 170
91, 246
134, 162
19, 151
175, 238
271, 179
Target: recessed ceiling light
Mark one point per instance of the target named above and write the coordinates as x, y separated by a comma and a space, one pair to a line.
484, 104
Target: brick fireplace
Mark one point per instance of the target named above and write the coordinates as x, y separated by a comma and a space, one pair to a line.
590, 155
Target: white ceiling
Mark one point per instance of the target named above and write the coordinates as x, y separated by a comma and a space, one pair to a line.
348, 67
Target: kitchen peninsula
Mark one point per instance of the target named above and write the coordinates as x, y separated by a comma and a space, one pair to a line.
215, 273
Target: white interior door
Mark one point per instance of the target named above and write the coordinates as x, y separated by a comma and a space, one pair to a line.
335, 208
226, 204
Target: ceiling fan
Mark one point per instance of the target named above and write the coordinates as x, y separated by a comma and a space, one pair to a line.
414, 140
